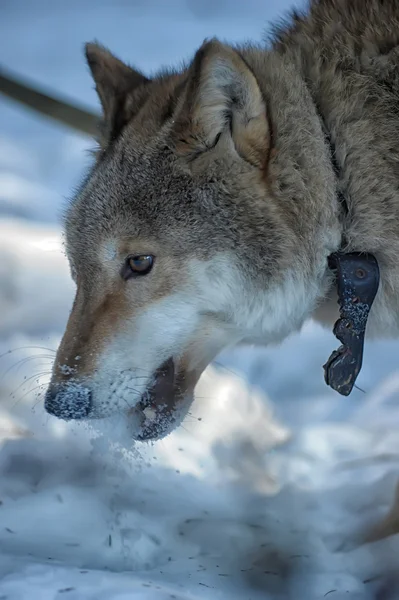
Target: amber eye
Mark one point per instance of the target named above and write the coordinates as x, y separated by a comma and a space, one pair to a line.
140, 264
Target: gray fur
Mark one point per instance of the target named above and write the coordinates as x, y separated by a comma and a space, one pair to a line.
245, 169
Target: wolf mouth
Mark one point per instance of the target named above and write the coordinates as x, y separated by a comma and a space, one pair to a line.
156, 409
153, 417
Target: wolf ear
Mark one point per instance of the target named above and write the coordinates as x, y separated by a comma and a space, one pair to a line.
114, 82
222, 94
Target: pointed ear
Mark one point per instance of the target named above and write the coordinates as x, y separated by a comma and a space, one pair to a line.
223, 95
114, 82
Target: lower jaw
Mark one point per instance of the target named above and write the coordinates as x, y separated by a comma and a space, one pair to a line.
159, 407
155, 430
164, 423
143, 429
156, 422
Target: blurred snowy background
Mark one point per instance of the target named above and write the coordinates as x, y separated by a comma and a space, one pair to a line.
270, 488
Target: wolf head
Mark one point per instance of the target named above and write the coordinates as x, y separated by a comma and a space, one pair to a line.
205, 221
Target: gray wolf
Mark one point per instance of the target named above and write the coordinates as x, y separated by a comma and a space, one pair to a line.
217, 193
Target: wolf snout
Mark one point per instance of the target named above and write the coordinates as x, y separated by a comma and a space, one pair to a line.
68, 401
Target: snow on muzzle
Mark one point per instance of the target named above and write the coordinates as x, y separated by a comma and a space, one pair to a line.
155, 414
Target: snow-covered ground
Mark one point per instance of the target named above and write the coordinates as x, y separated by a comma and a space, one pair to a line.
271, 487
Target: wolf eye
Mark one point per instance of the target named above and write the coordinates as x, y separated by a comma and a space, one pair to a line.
140, 264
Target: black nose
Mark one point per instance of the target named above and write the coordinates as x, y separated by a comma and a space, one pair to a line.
68, 401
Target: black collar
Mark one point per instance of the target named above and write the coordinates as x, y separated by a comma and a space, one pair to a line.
357, 279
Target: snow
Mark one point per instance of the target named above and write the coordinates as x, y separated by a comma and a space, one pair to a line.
273, 485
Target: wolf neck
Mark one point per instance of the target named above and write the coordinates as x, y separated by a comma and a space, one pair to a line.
303, 190
347, 55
